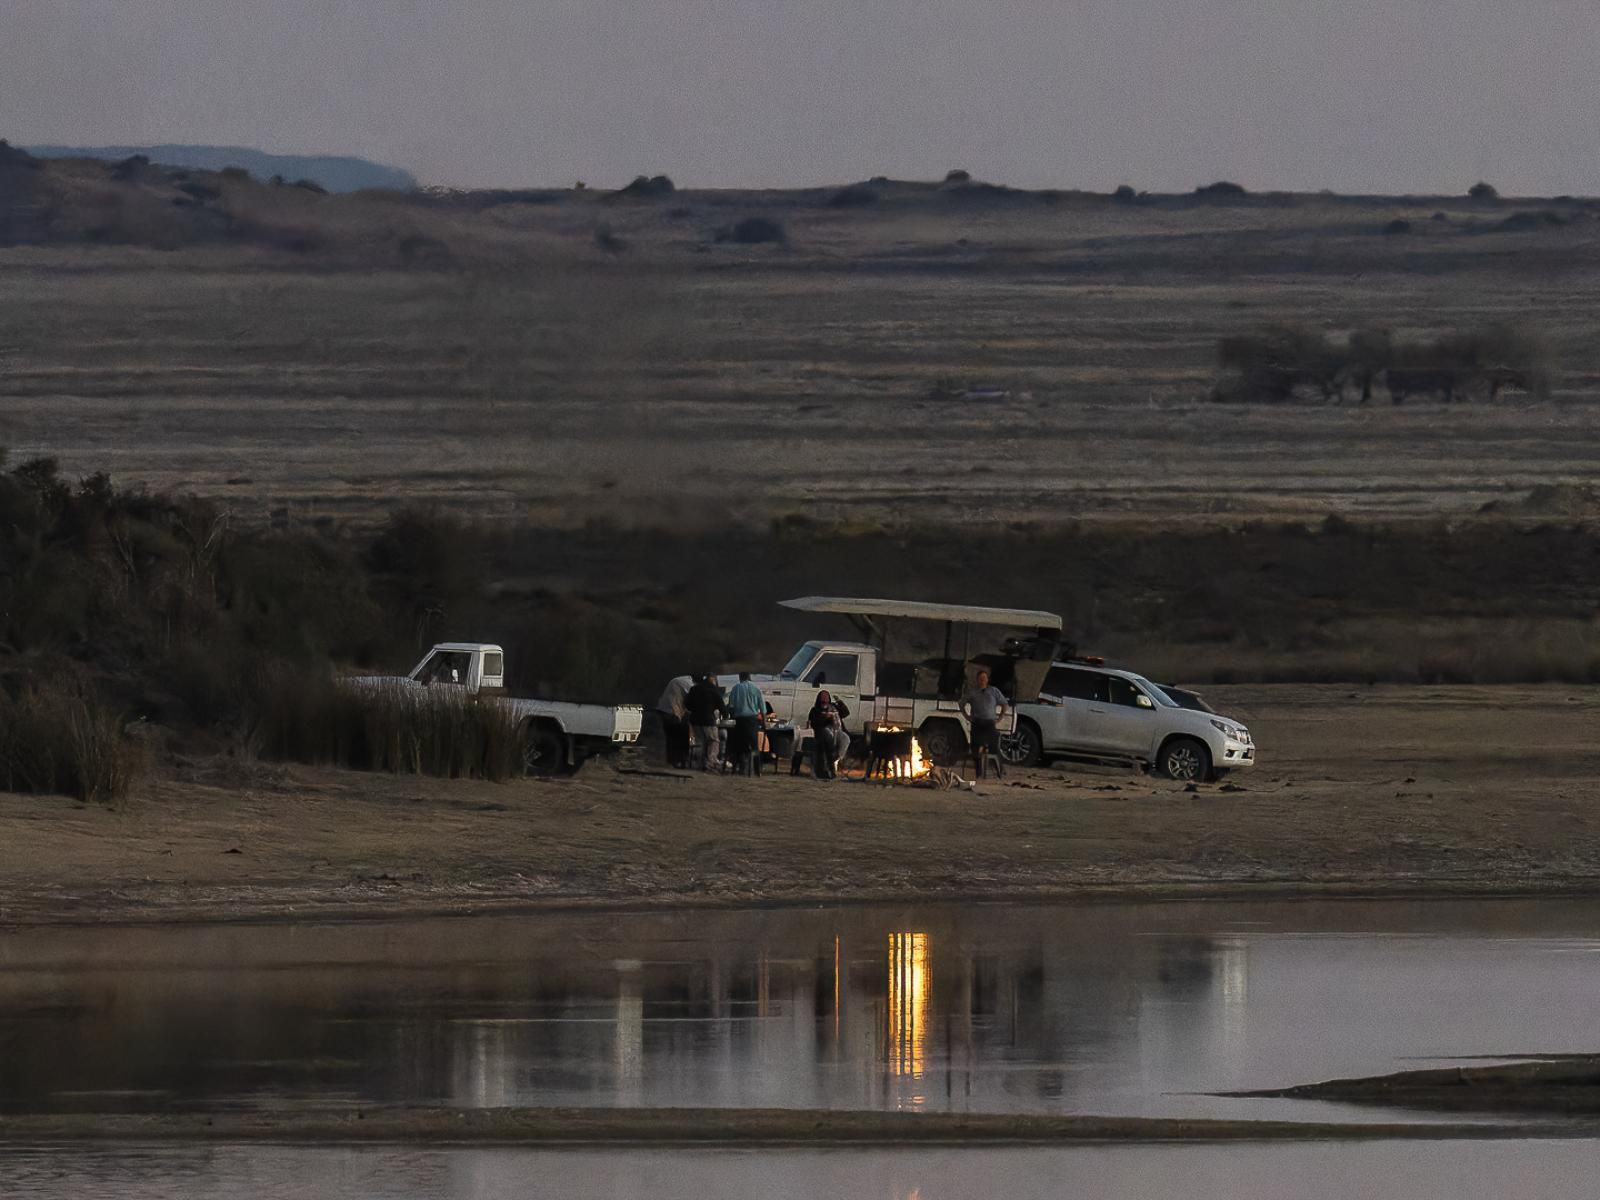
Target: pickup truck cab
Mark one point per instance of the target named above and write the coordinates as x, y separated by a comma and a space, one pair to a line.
557, 737
1089, 711
922, 686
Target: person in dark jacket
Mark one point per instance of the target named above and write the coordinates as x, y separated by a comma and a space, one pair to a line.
828, 738
706, 706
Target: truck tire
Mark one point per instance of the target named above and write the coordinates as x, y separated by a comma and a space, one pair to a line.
544, 751
1024, 748
1185, 759
942, 741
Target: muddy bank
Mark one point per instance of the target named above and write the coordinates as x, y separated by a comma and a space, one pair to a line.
714, 1127
1428, 791
1568, 1085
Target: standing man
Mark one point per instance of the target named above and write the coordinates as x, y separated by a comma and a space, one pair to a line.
705, 705
985, 706
748, 708
674, 715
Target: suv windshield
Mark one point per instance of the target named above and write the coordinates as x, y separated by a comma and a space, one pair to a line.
1155, 692
801, 660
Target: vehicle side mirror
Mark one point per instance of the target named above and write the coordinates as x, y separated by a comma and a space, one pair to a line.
1144, 701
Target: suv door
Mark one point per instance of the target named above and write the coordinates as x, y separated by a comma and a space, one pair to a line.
1067, 691
839, 672
1122, 719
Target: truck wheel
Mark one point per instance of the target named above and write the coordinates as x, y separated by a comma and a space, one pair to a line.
1024, 748
544, 751
1186, 760
941, 741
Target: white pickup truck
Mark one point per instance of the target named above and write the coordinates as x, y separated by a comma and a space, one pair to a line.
919, 685
557, 737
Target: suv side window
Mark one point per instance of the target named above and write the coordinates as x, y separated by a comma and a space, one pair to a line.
1123, 692
840, 670
1071, 684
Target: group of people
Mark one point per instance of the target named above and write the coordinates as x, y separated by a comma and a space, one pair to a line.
692, 712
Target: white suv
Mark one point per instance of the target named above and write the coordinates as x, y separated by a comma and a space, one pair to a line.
1093, 712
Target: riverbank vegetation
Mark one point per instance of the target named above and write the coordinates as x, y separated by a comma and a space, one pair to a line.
120, 606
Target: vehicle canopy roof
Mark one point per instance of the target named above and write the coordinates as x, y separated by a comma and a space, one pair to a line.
466, 646
921, 610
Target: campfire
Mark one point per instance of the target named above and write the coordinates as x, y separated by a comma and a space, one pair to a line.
896, 753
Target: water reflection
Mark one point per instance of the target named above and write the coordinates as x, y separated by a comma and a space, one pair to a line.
908, 1003
1093, 1008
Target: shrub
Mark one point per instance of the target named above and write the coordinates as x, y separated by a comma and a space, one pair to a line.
958, 176
1483, 191
857, 195
649, 187
62, 739
1221, 190
753, 231
1398, 225
1124, 194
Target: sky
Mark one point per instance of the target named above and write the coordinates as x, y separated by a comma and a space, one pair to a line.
1352, 95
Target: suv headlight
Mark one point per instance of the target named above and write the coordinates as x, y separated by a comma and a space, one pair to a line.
1230, 731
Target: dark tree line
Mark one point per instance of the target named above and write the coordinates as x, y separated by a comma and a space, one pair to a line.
1284, 363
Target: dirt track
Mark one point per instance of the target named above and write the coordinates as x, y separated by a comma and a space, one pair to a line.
1434, 790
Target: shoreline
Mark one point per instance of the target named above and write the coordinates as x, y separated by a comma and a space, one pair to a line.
713, 1128
312, 911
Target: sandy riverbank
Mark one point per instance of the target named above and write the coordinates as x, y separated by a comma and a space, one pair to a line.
1368, 791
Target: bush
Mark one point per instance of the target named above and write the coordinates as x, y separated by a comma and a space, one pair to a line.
1272, 365
62, 739
1124, 194
308, 716
1482, 191
1398, 225
958, 176
857, 195
753, 231
1221, 190
649, 187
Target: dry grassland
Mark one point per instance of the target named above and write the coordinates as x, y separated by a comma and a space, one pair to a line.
524, 370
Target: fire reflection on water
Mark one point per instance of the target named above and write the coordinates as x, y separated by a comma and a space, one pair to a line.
909, 983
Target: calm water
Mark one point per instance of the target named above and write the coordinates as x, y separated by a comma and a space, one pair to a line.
1317, 1171
1113, 1009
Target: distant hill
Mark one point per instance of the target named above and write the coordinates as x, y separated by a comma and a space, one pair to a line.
336, 174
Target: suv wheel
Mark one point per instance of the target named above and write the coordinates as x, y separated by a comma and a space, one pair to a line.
1024, 747
941, 741
1186, 760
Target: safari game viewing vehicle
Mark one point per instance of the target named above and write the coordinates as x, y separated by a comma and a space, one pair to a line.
557, 737
917, 682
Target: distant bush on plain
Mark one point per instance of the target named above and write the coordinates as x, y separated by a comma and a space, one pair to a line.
752, 231
649, 187
1223, 189
857, 195
1282, 363
1483, 191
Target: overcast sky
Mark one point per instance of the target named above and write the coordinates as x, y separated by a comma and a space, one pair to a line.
1355, 95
